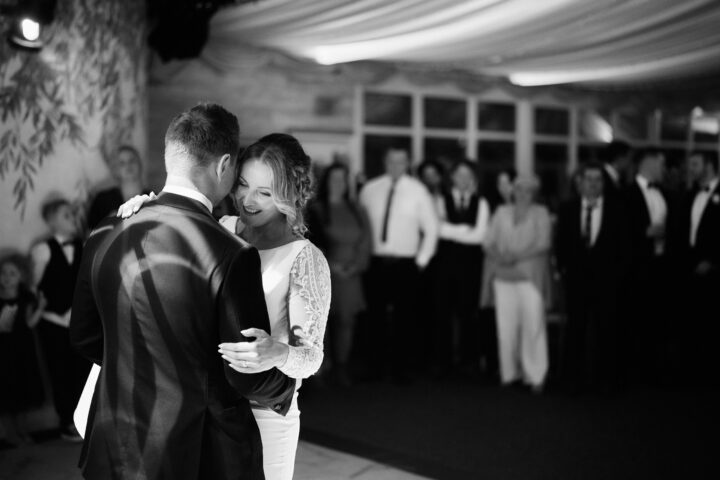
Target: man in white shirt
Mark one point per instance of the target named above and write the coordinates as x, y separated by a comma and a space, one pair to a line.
404, 228
464, 220
700, 236
648, 302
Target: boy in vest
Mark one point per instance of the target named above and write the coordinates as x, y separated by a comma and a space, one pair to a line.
55, 268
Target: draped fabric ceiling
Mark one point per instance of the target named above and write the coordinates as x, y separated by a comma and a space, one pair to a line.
533, 42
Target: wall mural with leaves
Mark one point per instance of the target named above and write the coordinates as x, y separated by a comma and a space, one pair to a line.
86, 87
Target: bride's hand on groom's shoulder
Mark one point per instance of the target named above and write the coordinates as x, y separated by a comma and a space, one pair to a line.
259, 355
132, 206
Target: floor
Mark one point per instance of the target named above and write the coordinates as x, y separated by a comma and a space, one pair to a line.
56, 460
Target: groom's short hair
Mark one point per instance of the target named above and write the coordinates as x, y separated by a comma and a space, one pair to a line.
206, 130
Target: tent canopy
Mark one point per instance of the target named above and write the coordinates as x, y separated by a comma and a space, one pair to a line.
533, 42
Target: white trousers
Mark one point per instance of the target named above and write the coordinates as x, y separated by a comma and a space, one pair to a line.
522, 339
279, 439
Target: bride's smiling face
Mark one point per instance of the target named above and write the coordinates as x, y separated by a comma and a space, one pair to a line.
254, 194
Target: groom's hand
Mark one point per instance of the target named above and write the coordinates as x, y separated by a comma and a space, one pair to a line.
260, 355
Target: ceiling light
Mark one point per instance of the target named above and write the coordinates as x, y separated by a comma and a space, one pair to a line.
29, 28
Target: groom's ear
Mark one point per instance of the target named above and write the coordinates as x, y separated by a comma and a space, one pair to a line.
224, 166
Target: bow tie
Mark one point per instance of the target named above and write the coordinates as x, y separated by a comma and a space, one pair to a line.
652, 185
67, 243
706, 188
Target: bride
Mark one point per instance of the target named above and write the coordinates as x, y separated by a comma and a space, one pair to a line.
272, 189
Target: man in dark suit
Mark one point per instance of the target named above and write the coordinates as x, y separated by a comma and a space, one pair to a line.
617, 162
156, 295
648, 290
699, 252
459, 260
591, 254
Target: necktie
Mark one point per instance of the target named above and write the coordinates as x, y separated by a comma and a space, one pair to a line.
587, 225
67, 243
386, 217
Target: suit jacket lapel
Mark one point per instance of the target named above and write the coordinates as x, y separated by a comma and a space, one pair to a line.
707, 211
642, 202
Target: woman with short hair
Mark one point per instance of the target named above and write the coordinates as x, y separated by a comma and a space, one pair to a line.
518, 241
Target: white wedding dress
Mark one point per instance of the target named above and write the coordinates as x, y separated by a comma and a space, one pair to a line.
296, 282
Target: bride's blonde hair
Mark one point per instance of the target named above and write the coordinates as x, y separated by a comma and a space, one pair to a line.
292, 183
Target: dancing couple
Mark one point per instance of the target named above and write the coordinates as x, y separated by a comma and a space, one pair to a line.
202, 332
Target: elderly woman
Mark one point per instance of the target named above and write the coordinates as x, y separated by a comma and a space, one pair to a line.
518, 241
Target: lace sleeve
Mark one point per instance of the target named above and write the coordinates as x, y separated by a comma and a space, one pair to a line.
309, 305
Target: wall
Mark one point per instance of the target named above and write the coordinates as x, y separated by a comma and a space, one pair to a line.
322, 105
66, 109
268, 93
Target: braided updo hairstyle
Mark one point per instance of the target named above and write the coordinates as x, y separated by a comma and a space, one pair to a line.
292, 183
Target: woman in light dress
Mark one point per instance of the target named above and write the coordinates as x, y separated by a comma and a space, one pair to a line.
273, 187
518, 242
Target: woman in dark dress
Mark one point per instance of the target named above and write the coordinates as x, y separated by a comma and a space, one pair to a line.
20, 379
338, 225
128, 172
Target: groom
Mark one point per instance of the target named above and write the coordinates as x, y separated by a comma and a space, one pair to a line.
156, 295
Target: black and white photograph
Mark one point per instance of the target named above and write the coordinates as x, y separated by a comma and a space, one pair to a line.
359, 239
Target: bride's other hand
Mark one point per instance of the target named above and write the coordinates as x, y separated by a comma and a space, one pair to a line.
132, 206
260, 355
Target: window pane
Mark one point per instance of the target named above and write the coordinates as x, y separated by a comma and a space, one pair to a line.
593, 125
590, 153
674, 127
551, 166
552, 121
705, 129
496, 117
446, 151
388, 109
496, 154
445, 113
633, 126
493, 157
375, 147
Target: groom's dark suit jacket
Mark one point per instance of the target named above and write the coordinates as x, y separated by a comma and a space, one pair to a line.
155, 296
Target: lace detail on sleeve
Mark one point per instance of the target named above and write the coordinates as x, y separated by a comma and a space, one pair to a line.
309, 305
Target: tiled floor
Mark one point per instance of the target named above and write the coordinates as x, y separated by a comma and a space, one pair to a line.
56, 460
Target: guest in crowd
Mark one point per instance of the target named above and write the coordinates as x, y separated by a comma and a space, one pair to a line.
431, 174
501, 194
20, 377
519, 241
339, 226
55, 268
464, 217
127, 169
591, 254
700, 261
404, 228
647, 302
618, 162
